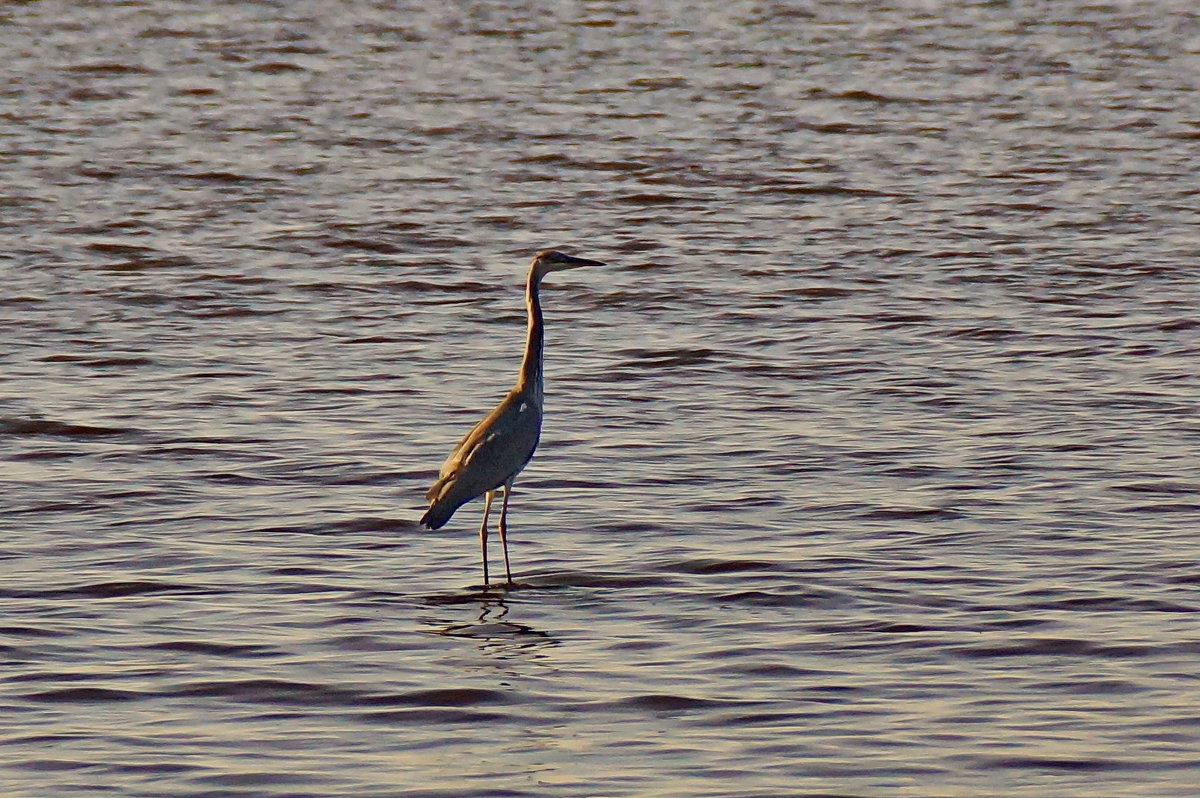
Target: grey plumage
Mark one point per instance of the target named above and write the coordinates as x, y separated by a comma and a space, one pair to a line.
495, 451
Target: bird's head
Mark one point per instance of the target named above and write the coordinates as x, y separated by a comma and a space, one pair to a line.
551, 260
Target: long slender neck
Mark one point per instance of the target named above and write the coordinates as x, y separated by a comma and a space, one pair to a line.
531, 366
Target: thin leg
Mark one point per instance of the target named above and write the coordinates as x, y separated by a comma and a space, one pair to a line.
487, 508
504, 529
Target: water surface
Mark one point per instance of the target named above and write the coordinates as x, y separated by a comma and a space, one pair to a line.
868, 466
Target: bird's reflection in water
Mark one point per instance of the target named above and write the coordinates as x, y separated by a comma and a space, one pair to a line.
491, 629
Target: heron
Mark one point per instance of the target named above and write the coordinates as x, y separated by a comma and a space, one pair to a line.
498, 448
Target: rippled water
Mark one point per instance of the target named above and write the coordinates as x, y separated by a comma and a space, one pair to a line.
869, 465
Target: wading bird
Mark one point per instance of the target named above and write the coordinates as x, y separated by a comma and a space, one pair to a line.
494, 452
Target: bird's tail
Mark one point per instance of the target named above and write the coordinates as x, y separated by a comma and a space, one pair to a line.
437, 515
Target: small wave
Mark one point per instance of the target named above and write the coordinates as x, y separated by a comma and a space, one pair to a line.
1169, 487
910, 513
669, 702
659, 358
878, 627
217, 176
1060, 763
213, 649
274, 691
588, 484
366, 244
154, 768
408, 237
650, 198
557, 159
141, 264
820, 292
627, 527
715, 566
443, 697
863, 95
276, 67
565, 579
984, 333
407, 718
78, 695
801, 189
835, 128
767, 598
138, 255
458, 287
348, 527
31, 631
105, 590
1190, 508
33, 427
1113, 604
664, 82
1056, 647
109, 68
101, 361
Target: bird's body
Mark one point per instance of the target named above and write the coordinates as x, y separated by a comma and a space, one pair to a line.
495, 451
491, 454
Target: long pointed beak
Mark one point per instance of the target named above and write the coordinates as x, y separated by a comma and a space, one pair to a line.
573, 262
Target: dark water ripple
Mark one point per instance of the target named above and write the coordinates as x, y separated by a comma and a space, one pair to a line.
869, 462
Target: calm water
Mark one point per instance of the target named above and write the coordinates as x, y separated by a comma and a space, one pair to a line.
869, 466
